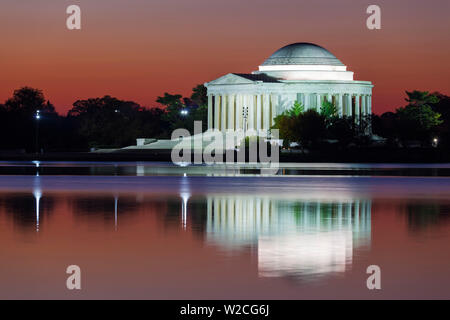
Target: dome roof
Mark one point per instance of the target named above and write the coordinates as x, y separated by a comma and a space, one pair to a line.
302, 53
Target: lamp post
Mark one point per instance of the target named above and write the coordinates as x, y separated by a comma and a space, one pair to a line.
185, 198
244, 116
37, 196
435, 142
37, 117
116, 206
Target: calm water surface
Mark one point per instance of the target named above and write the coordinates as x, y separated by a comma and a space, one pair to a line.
152, 235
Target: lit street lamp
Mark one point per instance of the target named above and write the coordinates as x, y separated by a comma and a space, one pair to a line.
245, 115
37, 196
435, 142
37, 116
184, 112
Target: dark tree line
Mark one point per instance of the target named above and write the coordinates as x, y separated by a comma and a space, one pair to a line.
314, 129
109, 122
423, 122
105, 122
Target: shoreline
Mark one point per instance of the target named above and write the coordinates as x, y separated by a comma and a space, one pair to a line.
142, 168
354, 155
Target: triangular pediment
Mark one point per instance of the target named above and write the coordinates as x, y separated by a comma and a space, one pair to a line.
231, 78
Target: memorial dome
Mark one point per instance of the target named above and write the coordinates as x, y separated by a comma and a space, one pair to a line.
302, 53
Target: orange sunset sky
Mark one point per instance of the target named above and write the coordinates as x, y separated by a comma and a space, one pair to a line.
139, 49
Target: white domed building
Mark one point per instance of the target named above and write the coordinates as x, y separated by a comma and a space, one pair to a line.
302, 72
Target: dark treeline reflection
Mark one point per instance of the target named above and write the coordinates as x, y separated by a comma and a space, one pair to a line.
225, 214
201, 210
123, 208
289, 236
103, 208
423, 216
22, 209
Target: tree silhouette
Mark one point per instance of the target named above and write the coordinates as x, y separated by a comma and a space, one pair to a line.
28, 100
199, 95
110, 122
420, 98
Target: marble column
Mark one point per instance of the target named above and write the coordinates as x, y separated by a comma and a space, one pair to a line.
243, 104
363, 105
210, 112
349, 104
303, 99
339, 105
251, 112
274, 107
329, 98
344, 105
223, 123
369, 112
319, 102
266, 111
307, 101
238, 114
231, 99
217, 112
357, 111
259, 112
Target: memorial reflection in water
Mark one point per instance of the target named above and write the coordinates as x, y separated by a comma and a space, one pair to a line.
295, 238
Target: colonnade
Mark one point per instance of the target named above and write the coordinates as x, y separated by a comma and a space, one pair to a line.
234, 111
257, 111
242, 219
347, 104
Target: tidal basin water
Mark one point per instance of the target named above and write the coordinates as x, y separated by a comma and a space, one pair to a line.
156, 231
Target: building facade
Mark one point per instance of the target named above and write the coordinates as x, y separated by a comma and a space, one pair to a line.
302, 72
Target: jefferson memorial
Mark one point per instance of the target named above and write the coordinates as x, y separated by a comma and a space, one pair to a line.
302, 72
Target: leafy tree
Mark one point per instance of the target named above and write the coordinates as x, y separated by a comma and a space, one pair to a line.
172, 102
310, 128
295, 125
199, 95
417, 123
422, 116
420, 98
342, 130
110, 122
201, 114
296, 109
173, 105
196, 107
442, 106
328, 109
419, 120
443, 130
285, 124
18, 124
28, 100
386, 126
